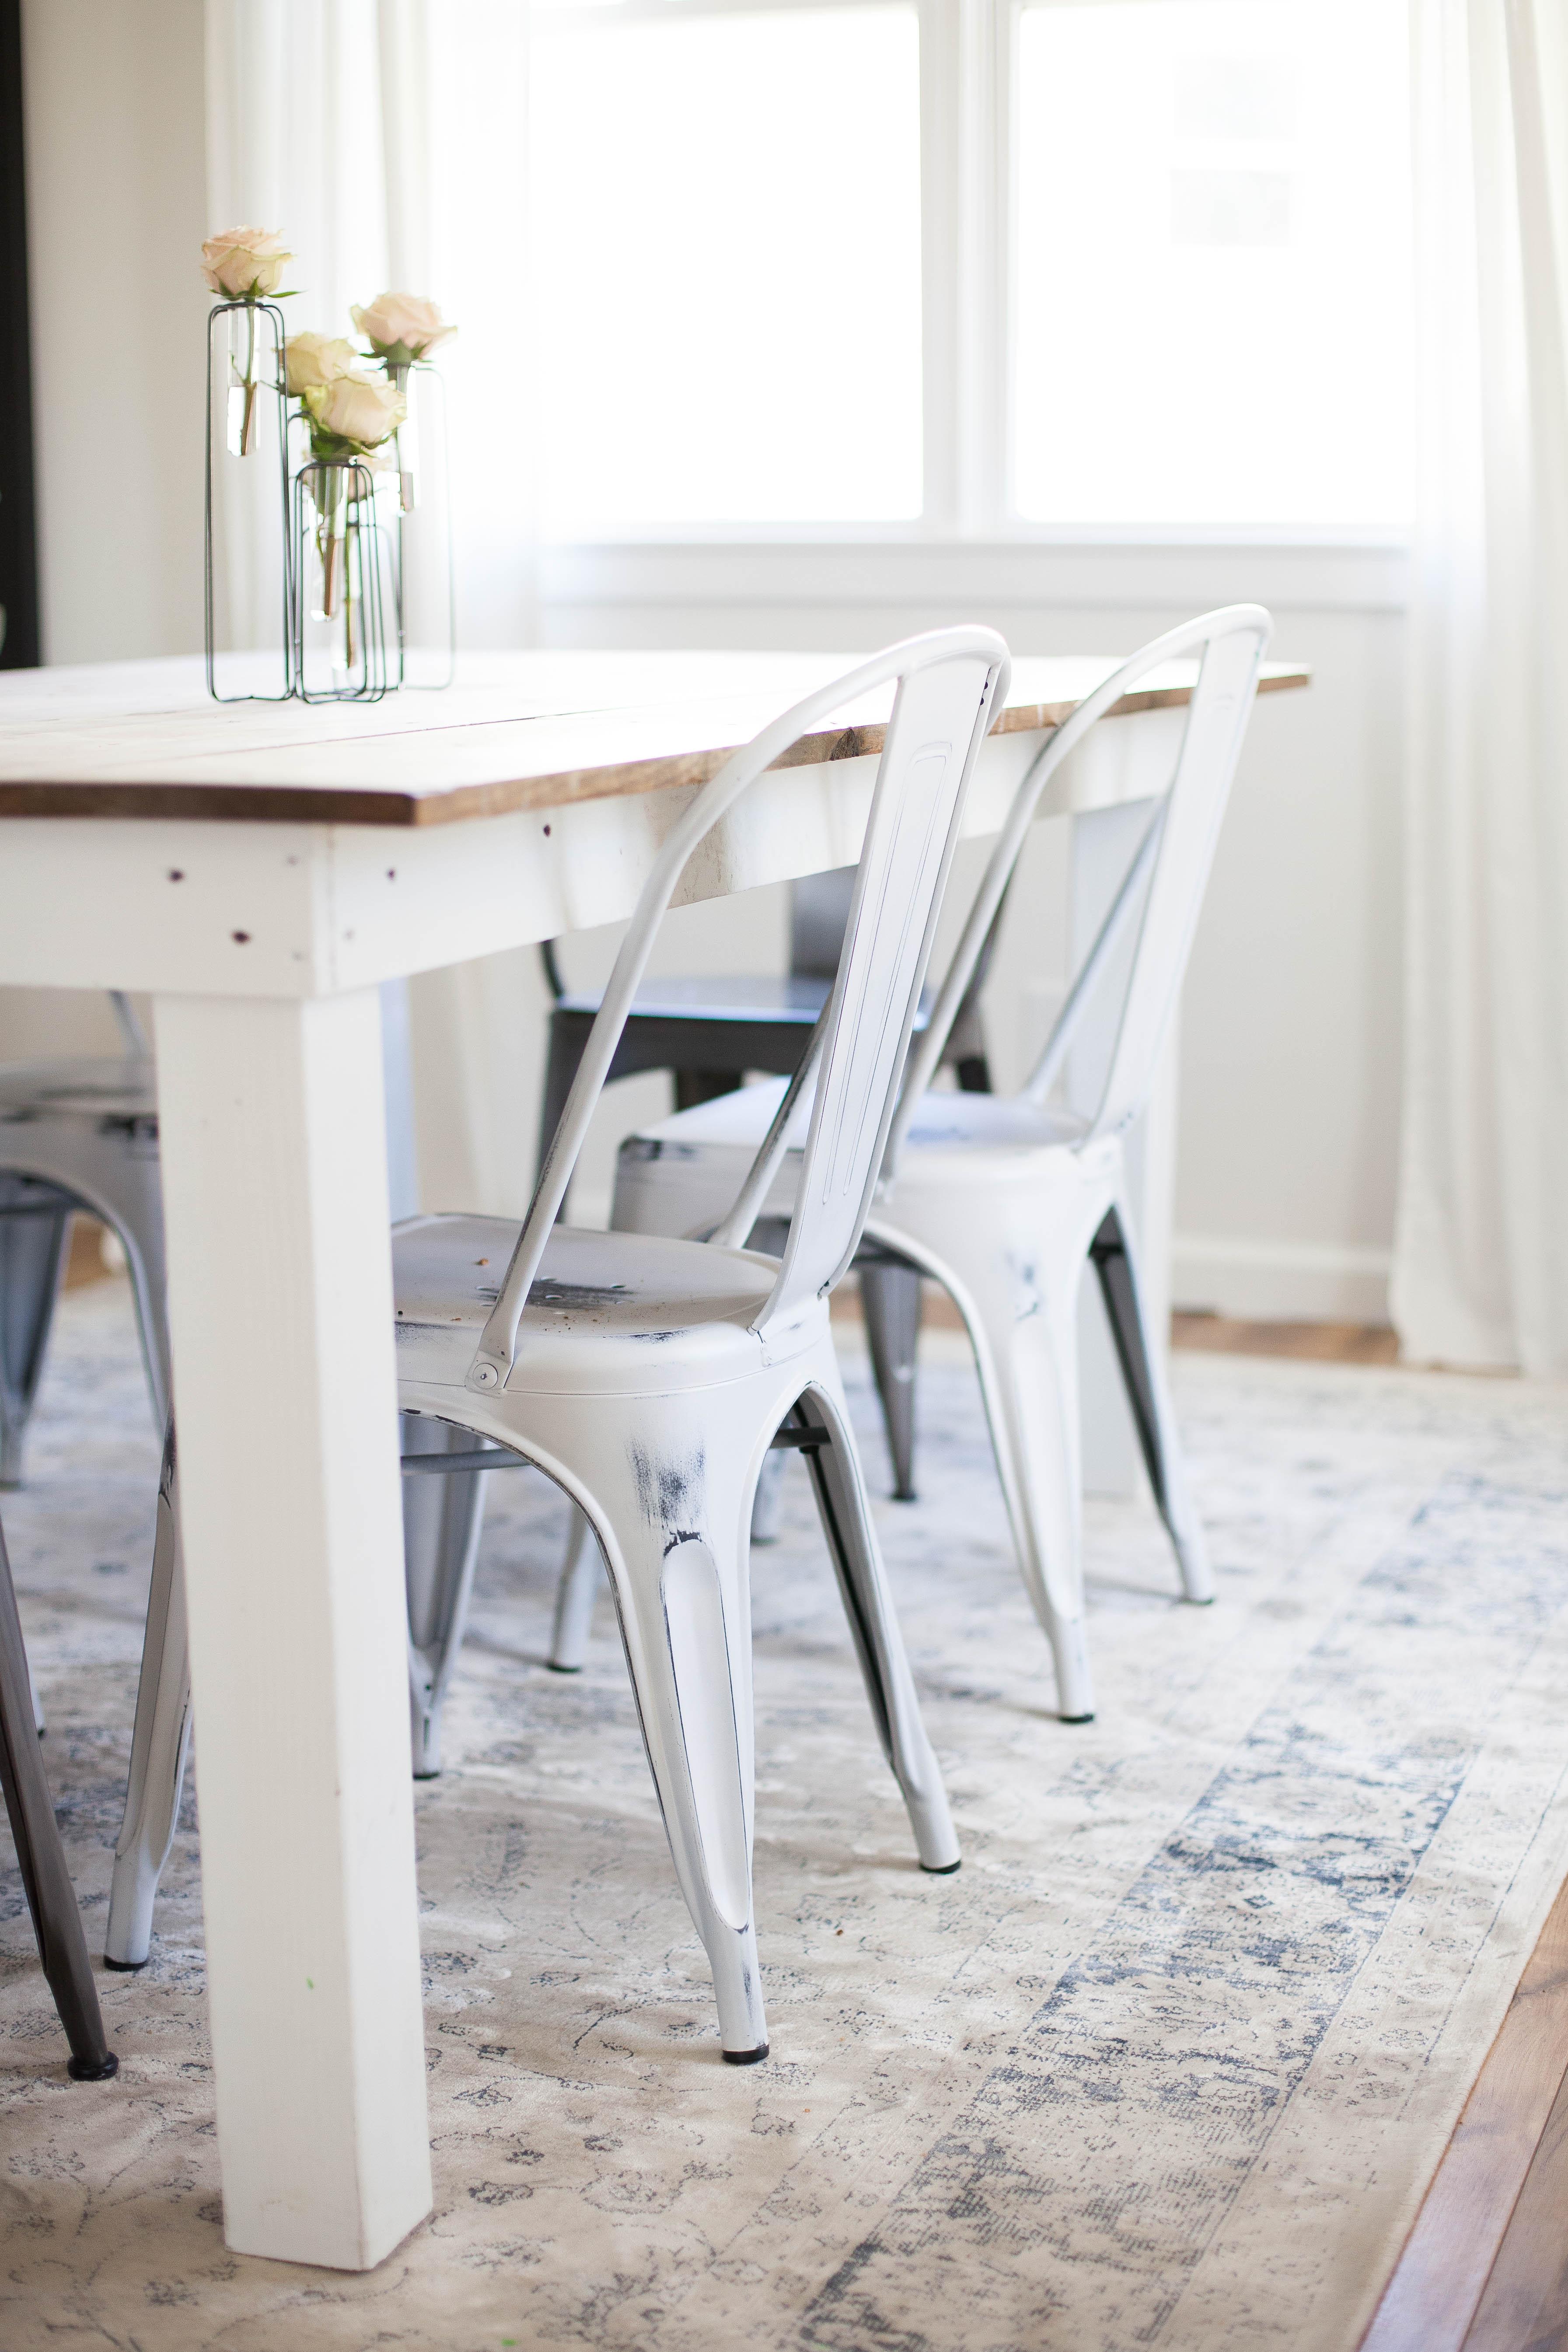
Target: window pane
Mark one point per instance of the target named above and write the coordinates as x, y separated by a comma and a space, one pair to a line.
726, 245
1213, 270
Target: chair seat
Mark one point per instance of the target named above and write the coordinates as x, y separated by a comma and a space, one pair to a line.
725, 997
608, 1313
117, 1086
792, 999
683, 1172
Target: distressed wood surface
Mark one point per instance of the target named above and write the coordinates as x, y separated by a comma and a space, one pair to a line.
518, 732
1509, 2149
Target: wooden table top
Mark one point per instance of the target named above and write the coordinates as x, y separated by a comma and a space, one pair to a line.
518, 730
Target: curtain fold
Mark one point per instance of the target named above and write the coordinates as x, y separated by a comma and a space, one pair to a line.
386, 139
1482, 1245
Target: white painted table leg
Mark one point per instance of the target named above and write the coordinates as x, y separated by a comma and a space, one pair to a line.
281, 1306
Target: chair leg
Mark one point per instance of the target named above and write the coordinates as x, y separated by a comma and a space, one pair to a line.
442, 1518
694, 1086
159, 1742
1018, 1295
890, 1302
846, 1514
51, 1898
581, 1572
31, 1255
666, 1483
1143, 1371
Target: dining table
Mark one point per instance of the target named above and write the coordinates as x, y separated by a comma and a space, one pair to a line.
263, 871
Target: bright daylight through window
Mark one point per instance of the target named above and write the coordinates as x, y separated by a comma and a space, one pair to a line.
747, 229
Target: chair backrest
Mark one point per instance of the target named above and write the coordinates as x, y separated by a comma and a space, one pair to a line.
950, 683
1163, 885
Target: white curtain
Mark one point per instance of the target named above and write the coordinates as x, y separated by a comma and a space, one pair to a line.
1482, 1247
387, 139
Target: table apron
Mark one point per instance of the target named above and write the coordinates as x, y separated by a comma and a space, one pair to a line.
207, 909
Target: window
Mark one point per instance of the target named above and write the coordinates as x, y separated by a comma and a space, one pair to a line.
971, 268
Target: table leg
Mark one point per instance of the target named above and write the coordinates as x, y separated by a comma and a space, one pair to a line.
275, 1186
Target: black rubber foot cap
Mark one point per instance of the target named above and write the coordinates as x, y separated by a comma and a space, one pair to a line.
746, 2057
428, 1776
125, 1968
1076, 1718
80, 2072
905, 1495
942, 1869
562, 1670
1207, 1601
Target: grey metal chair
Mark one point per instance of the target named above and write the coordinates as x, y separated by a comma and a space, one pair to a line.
75, 1134
83, 1134
51, 1898
709, 1031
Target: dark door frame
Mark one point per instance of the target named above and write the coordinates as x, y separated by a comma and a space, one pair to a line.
18, 518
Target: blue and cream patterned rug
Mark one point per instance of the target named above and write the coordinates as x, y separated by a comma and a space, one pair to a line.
1168, 2064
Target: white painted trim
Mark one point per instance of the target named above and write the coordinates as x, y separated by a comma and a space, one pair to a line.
1311, 1282
996, 575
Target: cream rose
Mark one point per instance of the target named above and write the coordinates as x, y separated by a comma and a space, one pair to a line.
401, 327
243, 262
317, 359
362, 409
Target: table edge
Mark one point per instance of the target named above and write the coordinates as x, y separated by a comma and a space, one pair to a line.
359, 806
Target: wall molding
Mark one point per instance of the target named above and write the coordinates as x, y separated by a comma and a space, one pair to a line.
1105, 573
1281, 1282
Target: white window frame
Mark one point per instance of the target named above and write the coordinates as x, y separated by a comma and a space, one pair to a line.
970, 138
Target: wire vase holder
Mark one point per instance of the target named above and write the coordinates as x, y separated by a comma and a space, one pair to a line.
246, 534
425, 601
344, 629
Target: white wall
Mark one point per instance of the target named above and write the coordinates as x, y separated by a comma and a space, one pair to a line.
117, 212
116, 216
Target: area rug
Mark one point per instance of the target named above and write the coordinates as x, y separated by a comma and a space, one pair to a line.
1170, 2061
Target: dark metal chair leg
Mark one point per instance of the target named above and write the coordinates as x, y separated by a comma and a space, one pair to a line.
694, 1086
890, 1302
51, 1898
1115, 1261
1109, 1251
35, 1226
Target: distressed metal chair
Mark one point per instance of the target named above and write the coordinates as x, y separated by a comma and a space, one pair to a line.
650, 1377
46, 1880
1005, 1200
708, 1030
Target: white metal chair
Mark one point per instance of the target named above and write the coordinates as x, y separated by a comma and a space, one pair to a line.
650, 1377
1004, 1199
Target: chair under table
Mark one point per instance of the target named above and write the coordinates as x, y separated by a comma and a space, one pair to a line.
650, 1377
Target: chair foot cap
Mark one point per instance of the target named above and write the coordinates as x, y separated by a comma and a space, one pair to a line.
746, 2057
1078, 1718
433, 1774
562, 1670
942, 1869
1199, 1600
80, 2072
125, 1968
905, 1495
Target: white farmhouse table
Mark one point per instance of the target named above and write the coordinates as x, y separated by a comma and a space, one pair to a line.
262, 870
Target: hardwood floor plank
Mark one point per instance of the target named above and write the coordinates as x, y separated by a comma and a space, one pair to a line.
1442, 2274
1524, 2304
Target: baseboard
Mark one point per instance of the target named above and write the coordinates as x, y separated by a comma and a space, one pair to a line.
1280, 1282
